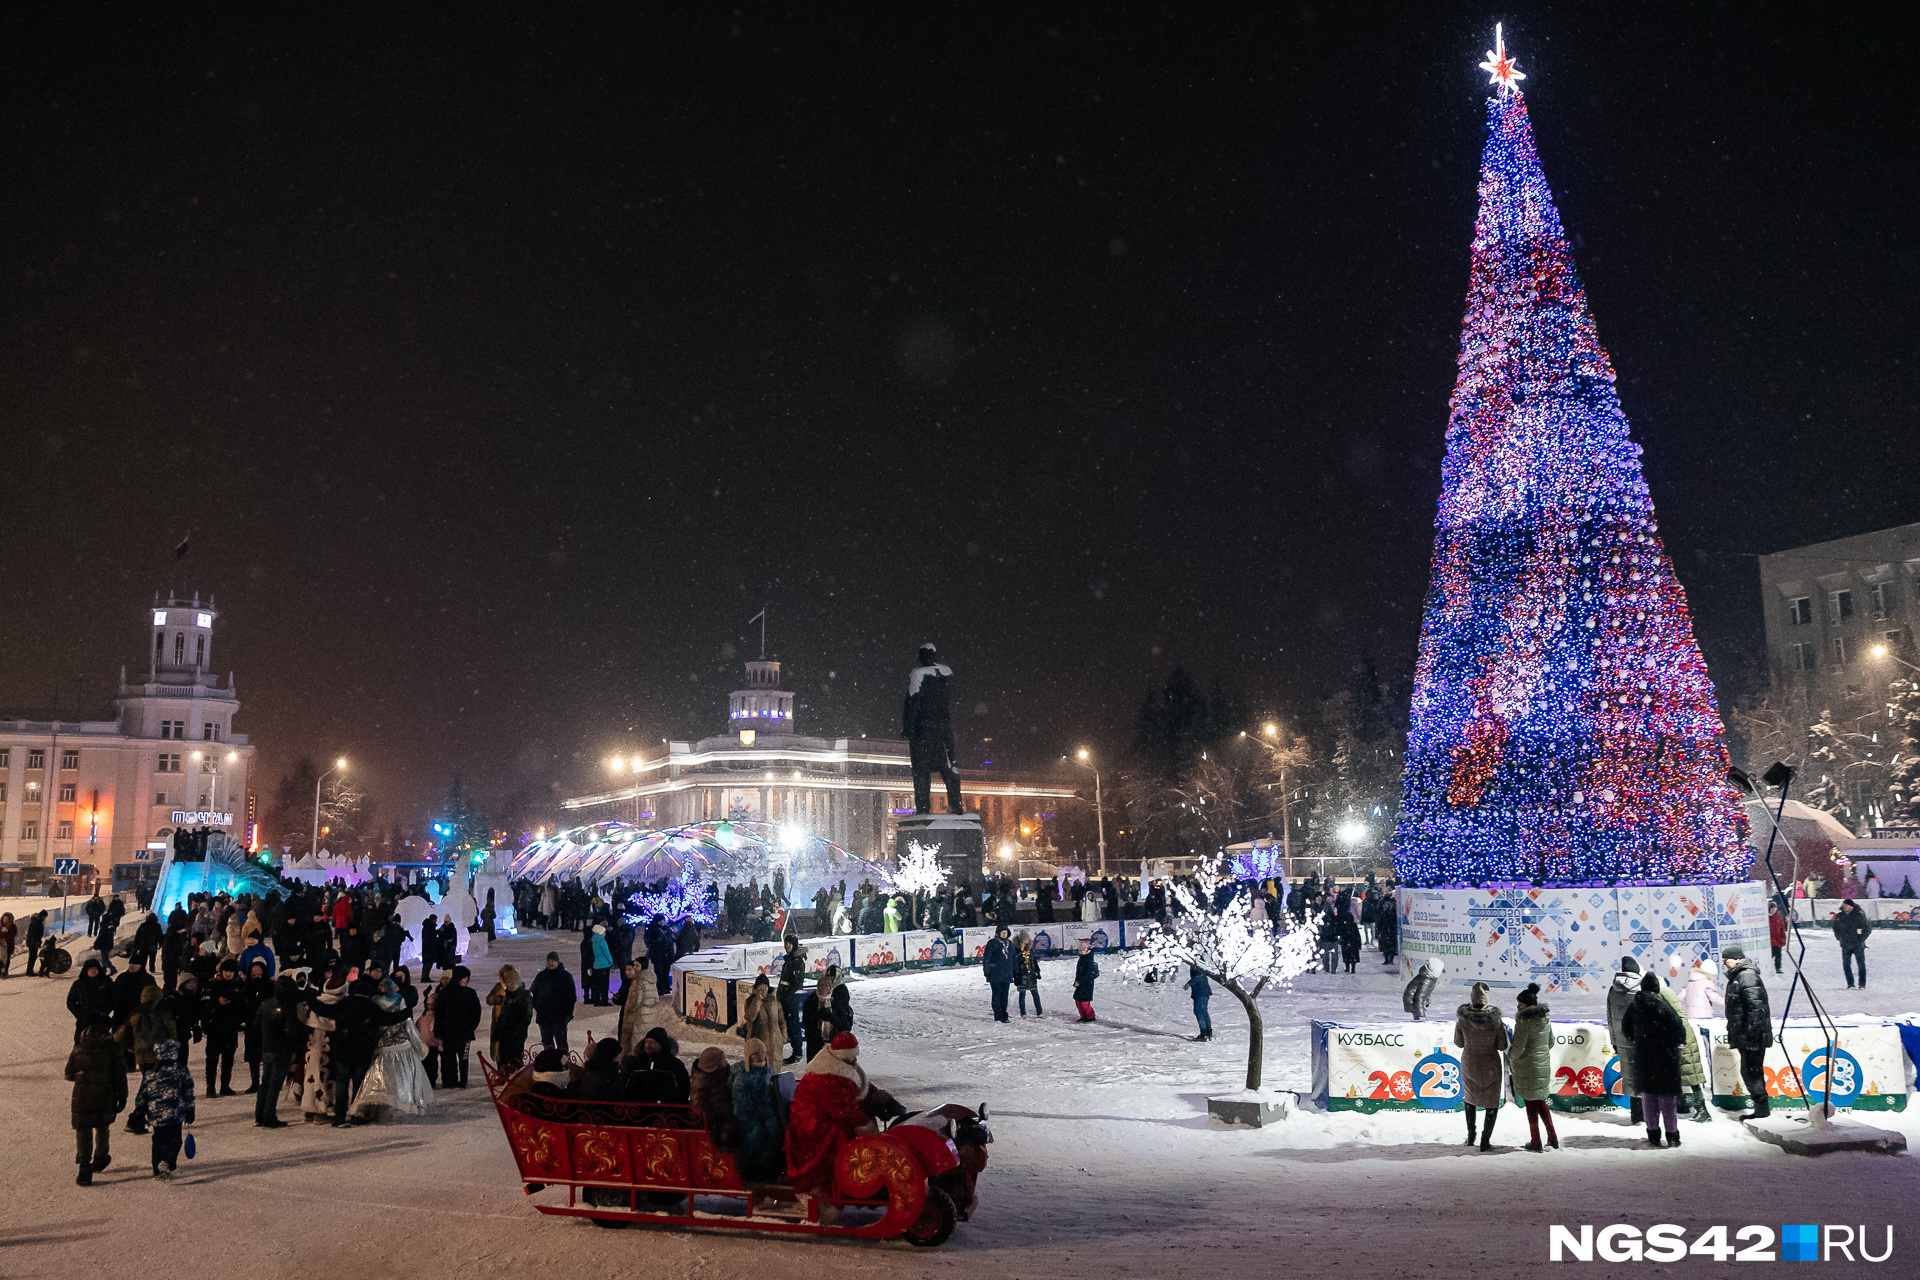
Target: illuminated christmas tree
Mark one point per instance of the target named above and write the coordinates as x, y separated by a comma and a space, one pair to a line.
1564, 729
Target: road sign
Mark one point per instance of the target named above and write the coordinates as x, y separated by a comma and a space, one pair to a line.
66, 866
143, 855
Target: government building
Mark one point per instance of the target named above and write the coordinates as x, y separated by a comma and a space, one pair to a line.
112, 791
850, 791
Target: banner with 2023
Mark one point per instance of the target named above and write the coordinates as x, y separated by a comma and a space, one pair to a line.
1414, 1066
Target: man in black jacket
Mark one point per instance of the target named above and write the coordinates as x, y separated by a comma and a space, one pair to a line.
456, 1017
36, 931
793, 979
926, 721
553, 1001
1850, 930
354, 1040
1749, 1026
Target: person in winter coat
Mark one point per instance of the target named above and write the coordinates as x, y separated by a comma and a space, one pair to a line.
276, 1026
1749, 1026
655, 1073
1776, 932
36, 933
1693, 1073
1386, 932
226, 1018
827, 1012
762, 1020
512, 1018
1202, 991
1349, 930
604, 1079
90, 998
1085, 970
1620, 995
1419, 990
793, 981
1702, 998
1329, 942
1850, 930
456, 1019
127, 989
553, 1001
710, 1088
1657, 1033
99, 1092
257, 952
1026, 973
757, 1112
996, 962
1530, 1059
166, 1096
96, 907
1480, 1035
828, 1112
602, 976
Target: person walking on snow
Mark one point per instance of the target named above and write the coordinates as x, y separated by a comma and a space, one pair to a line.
1419, 989
99, 1092
1202, 991
997, 964
1026, 973
1084, 973
1776, 932
1850, 930
166, 1096
1480, 1035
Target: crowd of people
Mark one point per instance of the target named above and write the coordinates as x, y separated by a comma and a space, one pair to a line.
1652, 1030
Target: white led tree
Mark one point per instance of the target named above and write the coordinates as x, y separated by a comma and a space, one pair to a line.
1240, 952
919, 870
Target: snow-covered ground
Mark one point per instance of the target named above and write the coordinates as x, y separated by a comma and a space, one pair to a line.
1104, 1165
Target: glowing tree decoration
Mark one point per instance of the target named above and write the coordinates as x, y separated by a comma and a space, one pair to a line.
1564, 728
686, 897
919, 870
1241, 953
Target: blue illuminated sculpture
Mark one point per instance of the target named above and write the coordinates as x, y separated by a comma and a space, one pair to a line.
1564, 730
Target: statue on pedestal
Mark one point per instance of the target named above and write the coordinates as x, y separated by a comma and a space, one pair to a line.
927, 723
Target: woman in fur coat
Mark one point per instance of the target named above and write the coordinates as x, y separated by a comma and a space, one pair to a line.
758, 1115
1480, 1035
763, 1020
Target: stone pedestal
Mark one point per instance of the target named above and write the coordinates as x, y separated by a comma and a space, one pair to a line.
956, 837
1571, 939
1246, 1110
1803, 1135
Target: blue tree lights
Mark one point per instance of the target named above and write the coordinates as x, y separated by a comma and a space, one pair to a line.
1564, 729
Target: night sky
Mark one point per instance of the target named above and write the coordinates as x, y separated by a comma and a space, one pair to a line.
503, 367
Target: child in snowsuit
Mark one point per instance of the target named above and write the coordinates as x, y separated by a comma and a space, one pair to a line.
1083, 975
166, 1097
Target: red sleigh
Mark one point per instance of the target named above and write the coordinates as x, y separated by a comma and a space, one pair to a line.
638, 1162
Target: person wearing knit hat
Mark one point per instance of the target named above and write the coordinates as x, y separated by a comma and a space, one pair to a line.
600, 967
1620, 997
1481, 1035
550, 1075
826, 1114
1749, 1027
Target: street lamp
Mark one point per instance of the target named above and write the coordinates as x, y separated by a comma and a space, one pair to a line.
1881, 651
1099, 810
1272, 731
314, 849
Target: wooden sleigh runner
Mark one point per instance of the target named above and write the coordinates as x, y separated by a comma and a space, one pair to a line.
639, 1162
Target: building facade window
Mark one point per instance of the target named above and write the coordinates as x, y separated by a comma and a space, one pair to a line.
66, 793
159, 797
210, 732
30, 829
36, 759
180, 649
159, 648
1800, 611
1880, 599
70, 759
1800, 657
64, 831
33, 793
168, 764
207, 766
3, 793
200, 652
1840, 650
6, 757
1839, 606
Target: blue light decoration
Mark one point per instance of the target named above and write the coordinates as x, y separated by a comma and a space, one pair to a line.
1258, 864
686, 897
1564, 730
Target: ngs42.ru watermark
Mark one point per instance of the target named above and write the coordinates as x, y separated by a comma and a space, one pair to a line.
1667, 1242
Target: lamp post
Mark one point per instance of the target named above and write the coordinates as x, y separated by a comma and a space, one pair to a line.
1881, 651
1272, 730
313, 851
1099, 810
